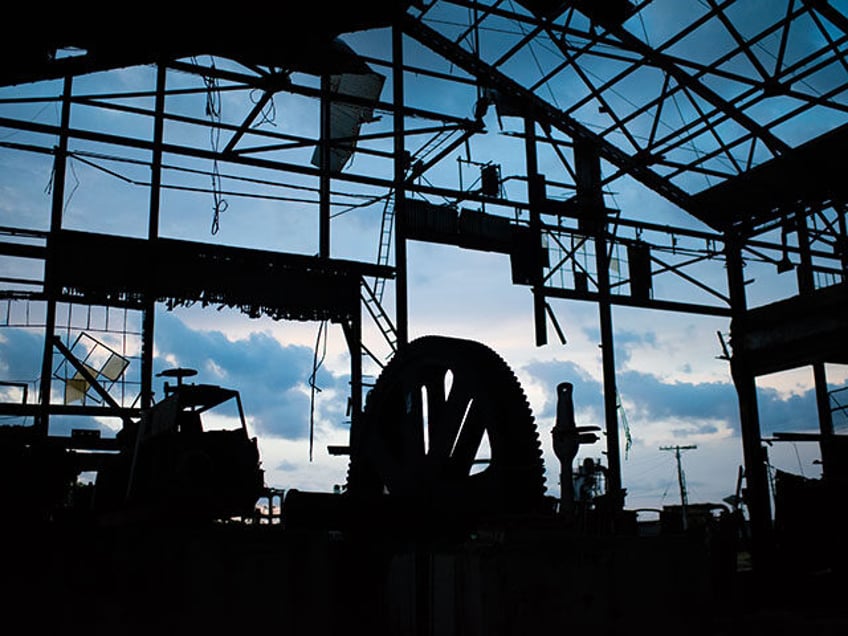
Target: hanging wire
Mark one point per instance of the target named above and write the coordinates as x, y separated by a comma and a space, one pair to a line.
367, 198
213, 111
536, 61
665, 492
76, 184
627, 436
313, 385
371, 201
33, 119
798, 457
268, 115
48, 189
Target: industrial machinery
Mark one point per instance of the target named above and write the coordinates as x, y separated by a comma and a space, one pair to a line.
174, 462
447, 438
447, 423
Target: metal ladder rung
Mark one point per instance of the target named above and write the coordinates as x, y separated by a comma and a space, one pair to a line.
386, 227
381, 319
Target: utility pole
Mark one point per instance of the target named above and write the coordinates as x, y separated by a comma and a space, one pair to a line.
681, 480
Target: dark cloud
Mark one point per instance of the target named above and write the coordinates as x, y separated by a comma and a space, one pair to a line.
270, 376
654, 399
587, 394
625, 342
633, 338
649, 398
287, 466
796, 414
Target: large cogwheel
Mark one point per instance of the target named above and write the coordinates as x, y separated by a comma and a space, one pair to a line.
448, 424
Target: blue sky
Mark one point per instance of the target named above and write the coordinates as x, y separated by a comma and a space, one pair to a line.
674, 388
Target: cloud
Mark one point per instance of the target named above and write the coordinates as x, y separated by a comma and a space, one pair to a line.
708, 403
650, 398
587, 394
272, 378
20, 355
699, 408
797, 413
625, 343
632, 338
287, 466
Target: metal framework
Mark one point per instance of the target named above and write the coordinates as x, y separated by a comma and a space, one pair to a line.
732, 112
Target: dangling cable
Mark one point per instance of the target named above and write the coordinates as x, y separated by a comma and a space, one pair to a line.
268, 115
316, 365
213, 111
628, 438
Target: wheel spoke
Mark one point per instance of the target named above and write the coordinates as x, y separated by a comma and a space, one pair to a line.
446, 418
468, 441
445, 422
433, 403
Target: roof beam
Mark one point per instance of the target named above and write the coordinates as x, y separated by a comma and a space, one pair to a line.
833, 15
660, 60
542, 110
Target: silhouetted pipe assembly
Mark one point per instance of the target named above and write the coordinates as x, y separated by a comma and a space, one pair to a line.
567, 438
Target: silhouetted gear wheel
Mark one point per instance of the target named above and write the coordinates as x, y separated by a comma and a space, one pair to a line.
448, 425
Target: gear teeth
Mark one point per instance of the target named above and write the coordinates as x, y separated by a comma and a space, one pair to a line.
520, 449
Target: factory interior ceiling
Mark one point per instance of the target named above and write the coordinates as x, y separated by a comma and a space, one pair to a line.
501, 126
734, 111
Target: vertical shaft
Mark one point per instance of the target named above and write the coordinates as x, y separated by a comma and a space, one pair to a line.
535, 196
324, 204
60, 163
149, 312
401, 302
756, 475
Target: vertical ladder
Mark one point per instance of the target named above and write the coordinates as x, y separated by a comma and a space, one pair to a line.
379, 315
386, 230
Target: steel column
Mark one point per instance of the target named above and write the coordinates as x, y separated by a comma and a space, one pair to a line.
324, 187
842, 240
608, 361
149, 313
756, 476
807, 285
535, 198
593, 221
353, 334
42, 422
401, 300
